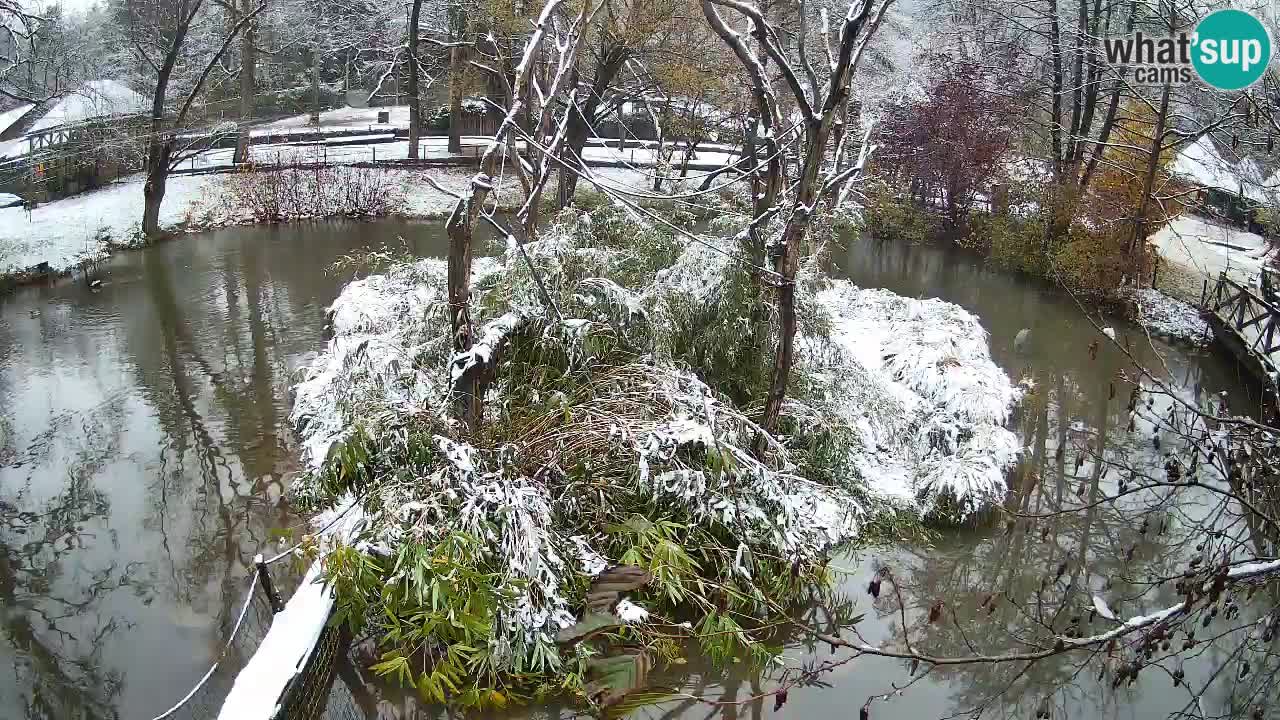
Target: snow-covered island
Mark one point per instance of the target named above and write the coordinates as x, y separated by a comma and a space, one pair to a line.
611, 436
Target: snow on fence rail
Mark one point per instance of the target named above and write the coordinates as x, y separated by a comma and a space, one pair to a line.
288, 674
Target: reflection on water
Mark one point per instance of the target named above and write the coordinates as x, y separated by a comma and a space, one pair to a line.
143, 454
144, 451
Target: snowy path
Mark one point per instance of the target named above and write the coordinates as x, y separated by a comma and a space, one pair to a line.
1201, 249
344, 150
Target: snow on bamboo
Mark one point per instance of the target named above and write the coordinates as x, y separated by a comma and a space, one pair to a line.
910, 381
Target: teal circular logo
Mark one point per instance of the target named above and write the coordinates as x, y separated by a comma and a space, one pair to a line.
1231, 49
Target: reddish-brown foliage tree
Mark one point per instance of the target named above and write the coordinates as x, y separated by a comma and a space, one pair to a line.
948, 144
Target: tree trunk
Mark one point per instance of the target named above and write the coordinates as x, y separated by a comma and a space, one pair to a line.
456, 67
787, 265
659, 150
580, 122
461, 229
415, 102
622, 129
248, 70
315, 85
159, 151
1148, 184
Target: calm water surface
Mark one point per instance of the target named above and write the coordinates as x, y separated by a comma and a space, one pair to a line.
143, 452
144, 448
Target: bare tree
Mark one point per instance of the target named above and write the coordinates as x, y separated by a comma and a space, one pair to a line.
415, 99
818, 108
564, 33
160, 35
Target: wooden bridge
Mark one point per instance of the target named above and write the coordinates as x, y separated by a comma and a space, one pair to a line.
1245, 319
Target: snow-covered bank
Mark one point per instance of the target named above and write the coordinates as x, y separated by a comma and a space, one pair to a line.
65, 233
1169, 317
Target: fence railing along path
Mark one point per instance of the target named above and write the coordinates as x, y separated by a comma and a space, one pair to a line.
1247, 321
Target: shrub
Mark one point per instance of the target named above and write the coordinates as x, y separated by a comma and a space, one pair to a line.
1097, 262
618, 430
1012, 243
271, 195
891, 215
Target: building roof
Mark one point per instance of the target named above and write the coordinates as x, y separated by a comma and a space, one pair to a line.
94, 99
13, 115
90, 101
1201, 163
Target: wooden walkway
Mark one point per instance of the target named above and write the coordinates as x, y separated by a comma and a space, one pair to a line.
1245, 319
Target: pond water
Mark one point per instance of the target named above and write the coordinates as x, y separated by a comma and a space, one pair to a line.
144, 447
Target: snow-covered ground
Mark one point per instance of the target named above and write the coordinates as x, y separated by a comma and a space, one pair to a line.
343, 151
1169, 317
339, 120
1209, 248
1199, 250
350, 119
65, 232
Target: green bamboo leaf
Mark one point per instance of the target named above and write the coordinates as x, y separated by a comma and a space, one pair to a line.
638, 700
591, 624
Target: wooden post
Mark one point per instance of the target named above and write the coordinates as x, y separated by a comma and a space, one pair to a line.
999, 202
273, 597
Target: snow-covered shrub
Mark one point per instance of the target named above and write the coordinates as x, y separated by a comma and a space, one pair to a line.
276, 194
606, 439
1169, 317
438, 120
915, 380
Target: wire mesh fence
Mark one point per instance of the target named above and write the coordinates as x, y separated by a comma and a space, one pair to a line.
311, 694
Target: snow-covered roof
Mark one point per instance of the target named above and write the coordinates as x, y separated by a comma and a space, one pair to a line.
11, 116
1201, 163
94, 99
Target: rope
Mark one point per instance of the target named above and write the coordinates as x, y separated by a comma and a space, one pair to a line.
284, 553
635, 208
244, 609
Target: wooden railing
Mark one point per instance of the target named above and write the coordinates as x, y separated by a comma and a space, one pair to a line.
1251, 315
